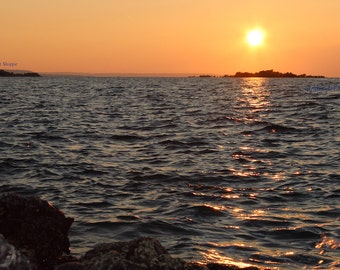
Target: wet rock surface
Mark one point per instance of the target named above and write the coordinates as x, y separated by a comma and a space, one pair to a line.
11, 258
35, 238
35, 227
141, 253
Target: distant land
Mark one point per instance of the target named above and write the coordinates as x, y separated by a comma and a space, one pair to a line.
4, 73
270, 73
274, 74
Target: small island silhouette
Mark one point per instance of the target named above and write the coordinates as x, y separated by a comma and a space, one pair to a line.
270, 73
4, 73
273, 74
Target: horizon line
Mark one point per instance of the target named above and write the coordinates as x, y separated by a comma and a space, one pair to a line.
140, 74
151, 74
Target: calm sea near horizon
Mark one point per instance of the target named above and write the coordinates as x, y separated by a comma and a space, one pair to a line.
229, 170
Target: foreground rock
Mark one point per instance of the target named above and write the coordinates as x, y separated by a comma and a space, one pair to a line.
37, 237
143, 253
36, 228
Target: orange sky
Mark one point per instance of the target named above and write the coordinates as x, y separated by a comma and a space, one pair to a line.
170, 36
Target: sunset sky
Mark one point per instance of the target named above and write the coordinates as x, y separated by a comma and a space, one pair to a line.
170, 36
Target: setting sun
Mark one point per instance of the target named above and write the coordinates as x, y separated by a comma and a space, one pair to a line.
255, 37
171, 37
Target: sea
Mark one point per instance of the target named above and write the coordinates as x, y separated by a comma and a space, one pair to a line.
241, 171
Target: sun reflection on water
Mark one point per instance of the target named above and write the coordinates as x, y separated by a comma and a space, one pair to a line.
212, 255
255, 100
255, 93
327, 244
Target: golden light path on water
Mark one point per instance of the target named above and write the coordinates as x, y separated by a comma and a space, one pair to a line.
256, 96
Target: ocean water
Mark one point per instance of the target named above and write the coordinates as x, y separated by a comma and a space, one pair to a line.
242, 171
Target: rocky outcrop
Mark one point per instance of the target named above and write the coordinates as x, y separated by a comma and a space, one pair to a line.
36, 239
142, 253
36, 228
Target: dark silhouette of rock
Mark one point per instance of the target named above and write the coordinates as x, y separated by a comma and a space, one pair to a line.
140, 254
11, 258
4, 73
35, 227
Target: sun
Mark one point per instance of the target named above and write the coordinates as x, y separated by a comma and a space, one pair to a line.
255, 37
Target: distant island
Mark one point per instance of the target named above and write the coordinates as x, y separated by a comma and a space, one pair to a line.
4, 73
262, 74
273, 74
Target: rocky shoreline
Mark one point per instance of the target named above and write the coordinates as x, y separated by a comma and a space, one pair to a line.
34, 236
4, 73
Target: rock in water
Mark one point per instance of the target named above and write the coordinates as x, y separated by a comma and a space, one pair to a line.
140, 254
12, 259
35, 227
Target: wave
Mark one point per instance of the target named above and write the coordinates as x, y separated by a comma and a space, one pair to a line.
127, 138
260, 223
179, 145
273, 128
333, 213
306, 233
289, 260
205, 211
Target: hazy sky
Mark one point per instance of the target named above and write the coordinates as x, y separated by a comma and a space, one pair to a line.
170, 36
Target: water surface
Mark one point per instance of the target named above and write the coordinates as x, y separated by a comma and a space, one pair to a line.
229, 170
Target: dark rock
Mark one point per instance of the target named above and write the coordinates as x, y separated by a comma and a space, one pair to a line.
69, 263
139, 254
195, 266
70, 266
35, 227
12, 259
